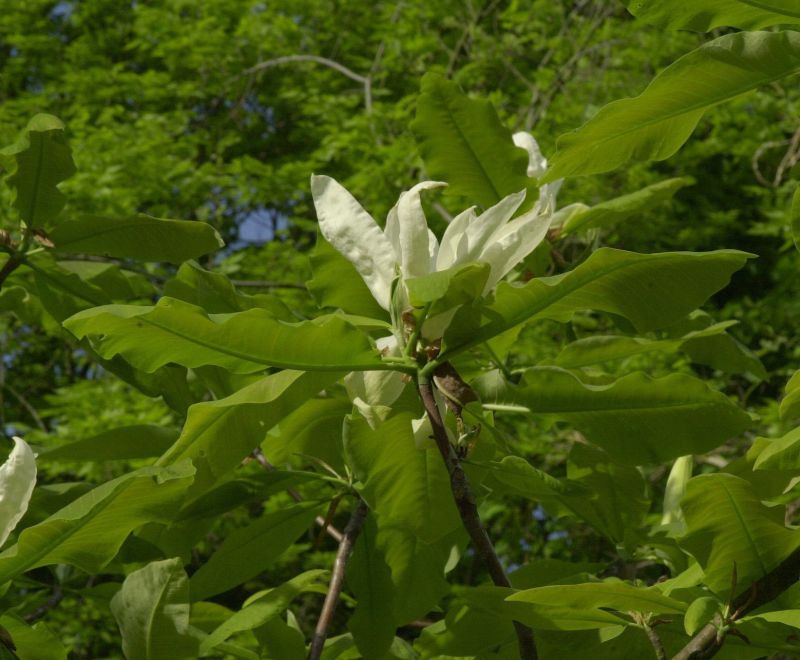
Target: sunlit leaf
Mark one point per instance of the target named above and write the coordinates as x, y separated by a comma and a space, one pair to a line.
650, 290
89, 531
705, 15
175, 331
654, 125
731, 529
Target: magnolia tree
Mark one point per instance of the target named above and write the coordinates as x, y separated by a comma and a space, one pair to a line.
385, 415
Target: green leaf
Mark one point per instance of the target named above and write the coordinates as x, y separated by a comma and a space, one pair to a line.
711, 346
89, 531
33, 642
654, 125
780, 454
615, 210
617, 504
404, 484
463, 142
790, 405
699, 613
447, 288
264, 606
140, 236
243, 342
517, 474
650, 290
705, 15
123, 443
152, 610
477, 623
336, 283
368, 575
582, 606
637, 419
249, 550
218, 435
216, 294
37, 163
729, 525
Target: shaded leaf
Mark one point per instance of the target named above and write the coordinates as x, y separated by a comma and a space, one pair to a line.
152, 610
123, 443
582, 606
249, 550
463, 142
615, 210
264, 606
37, 163
139, 236
218, 435
637, 419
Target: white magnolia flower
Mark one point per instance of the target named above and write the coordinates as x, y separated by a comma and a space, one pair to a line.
407, 248
17, 479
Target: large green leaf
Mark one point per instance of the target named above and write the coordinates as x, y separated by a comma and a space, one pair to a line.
730, 527
404, 484
650, 290
216, 294
89, 531
263, 606
140, 236
37, 163
123, 443
711, 346
176, 331
218, 435
615, 210
370, 578
705, 15
790, 405
637, 419
463, 142
33, 642
249, 550
654, 125
780, 454
152, 610
582, 606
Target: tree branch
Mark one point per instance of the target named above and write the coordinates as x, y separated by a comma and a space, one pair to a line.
14, 262
468, 510
324, 61
351, 532
707, 642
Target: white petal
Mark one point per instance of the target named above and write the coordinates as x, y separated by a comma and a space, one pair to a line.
547, 197
407, 230
352, 231
17, 479
453, 235
482, 230
376, 388
423, 433
537, 163
513, 243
